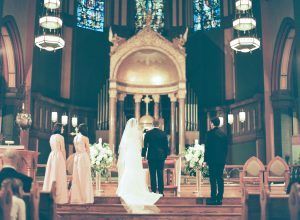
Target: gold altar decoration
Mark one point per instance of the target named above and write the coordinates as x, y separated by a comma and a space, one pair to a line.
147, 64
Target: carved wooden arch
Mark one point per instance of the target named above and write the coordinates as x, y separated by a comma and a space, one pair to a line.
11, 26
287, 25
282, 161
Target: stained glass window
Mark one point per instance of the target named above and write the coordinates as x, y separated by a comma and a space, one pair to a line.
207, 14
156, 7
90, 14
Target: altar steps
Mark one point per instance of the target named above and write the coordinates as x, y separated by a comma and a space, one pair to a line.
170, 200
166, 208
162, 216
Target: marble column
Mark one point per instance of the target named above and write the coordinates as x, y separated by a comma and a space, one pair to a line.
181, 101
112, 118
137, 101
121, 98
156, 106
173, 124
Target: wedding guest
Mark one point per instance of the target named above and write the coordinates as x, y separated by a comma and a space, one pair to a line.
11, 159
18, 209
82, 188
56, 166
215, 156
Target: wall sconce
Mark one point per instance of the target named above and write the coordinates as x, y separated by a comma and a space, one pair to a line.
74, 122
230, 118
242, 116
54, 117
221, 121
64, 120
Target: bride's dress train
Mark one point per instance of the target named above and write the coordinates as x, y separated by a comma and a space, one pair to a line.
132, 187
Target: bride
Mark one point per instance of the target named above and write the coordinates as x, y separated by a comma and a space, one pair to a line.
132, 187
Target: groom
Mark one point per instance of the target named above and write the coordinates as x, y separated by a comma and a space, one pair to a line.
156, 142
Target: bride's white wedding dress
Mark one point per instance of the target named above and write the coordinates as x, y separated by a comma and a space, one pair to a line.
132, 187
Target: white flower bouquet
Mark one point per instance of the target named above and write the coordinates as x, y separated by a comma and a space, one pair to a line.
194, 157
101, 158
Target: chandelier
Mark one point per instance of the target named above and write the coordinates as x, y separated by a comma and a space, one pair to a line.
51, 25
244, 24
52, 4
243, 5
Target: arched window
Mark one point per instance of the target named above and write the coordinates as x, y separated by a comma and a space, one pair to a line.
90, 14
8, 59
207, 14
157, 9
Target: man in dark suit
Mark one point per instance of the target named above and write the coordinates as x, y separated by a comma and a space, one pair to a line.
156, 142
215, 157
11, 159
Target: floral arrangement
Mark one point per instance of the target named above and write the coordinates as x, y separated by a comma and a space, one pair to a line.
24, 120
194, 157
101, 158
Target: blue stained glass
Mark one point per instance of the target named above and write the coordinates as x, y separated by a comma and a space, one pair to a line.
157, 9
207, 14
90, 14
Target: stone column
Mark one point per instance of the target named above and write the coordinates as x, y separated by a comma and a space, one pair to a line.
172, 124
137, 101
112, 118
121, 98
181, 101
156, 106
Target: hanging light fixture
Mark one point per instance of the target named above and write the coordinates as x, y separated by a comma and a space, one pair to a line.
244, 24
52, 4
51, 25
243, 5
49, 42
50, 22
245, 44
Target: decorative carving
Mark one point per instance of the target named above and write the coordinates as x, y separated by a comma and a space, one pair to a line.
137, 98
172, 97
156, 98
121, 96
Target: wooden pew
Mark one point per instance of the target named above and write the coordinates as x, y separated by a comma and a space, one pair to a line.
5, 202
32, 202
294, 202
47, 205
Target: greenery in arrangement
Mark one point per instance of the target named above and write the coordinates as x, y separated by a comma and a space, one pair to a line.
194, 158
101, 159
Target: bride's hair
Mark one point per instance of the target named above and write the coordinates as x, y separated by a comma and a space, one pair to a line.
82, 128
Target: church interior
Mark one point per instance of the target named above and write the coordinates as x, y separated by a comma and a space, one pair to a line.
179, 62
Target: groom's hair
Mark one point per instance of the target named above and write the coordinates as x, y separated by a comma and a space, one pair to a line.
156, 123
215, 121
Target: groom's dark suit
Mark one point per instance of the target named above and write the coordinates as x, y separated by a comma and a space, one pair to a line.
156, 142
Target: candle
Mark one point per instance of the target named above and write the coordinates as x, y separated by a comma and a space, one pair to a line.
23, 106
74, 121
196, 141
54, 117
64, 120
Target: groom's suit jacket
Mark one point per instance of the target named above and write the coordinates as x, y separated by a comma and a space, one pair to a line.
156, 142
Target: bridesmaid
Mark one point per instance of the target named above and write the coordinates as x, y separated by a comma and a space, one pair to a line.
82, 188
56, 166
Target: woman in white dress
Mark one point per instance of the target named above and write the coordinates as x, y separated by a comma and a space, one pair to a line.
132, 187
82, 187
56, 166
